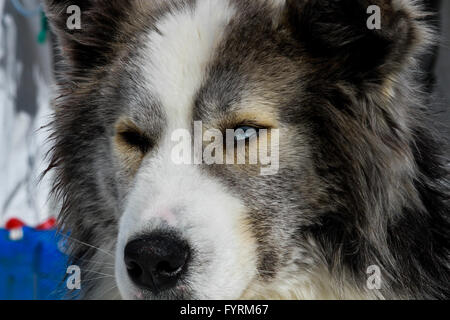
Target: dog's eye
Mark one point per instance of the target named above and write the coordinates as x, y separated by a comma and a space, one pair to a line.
136, 140
245, 133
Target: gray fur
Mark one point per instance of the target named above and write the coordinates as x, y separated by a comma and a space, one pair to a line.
362, 181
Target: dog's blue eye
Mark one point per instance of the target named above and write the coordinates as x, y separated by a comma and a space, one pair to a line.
245, 133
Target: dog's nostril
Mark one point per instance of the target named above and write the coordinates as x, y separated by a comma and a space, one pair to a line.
134, 270
169, 268
157, 261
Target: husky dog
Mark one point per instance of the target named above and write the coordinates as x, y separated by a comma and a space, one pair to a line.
358, 208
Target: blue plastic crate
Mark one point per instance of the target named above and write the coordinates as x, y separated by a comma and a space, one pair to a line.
33, 267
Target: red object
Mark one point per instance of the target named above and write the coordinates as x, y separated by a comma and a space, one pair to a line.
17, 224
14, 224
49, 224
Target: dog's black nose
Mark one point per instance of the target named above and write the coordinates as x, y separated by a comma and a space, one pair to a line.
157, 261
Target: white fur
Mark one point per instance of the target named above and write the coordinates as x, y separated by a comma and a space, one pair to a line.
207, 216
177, 56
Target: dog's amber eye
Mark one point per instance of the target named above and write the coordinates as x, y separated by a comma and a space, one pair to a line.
136, 140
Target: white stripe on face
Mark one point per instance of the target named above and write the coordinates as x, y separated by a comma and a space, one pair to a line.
178, 53
205, 214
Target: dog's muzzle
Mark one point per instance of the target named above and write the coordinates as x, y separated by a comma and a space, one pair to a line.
157, 261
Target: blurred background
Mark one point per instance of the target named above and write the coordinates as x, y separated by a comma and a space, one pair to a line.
32, 263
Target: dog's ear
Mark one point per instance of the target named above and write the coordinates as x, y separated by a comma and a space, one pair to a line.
87, 30
358, 39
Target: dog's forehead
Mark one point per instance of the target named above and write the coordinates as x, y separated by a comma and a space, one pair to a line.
177, 53
205, 51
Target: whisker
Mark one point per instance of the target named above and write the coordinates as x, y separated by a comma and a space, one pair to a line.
97, 263
111, 289
97, 272
93, 279
87, 244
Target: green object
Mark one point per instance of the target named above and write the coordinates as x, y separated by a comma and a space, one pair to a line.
42, 37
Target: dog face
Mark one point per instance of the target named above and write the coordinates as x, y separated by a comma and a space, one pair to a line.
302, 72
